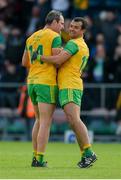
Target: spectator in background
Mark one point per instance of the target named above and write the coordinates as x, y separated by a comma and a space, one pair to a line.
119, 40
45, 7
2, 38
34, 20
96, 73
4, 32
114, 63
97, 66
114, 75
7, 11
90, 34
14, 46
8, 95
2, 44
118, 27
117, 64
61, 5
3, 4
80, 7
100, 39
108, 26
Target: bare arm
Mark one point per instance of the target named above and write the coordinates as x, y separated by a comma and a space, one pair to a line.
25, 59
56, 51
57, 59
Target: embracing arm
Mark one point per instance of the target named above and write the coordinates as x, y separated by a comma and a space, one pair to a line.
56, 51
58, 54
69, 50
57, 59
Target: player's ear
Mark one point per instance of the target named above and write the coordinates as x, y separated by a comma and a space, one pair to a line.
54, 22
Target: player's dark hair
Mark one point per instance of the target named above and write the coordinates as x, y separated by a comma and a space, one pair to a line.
53, 15
84, 22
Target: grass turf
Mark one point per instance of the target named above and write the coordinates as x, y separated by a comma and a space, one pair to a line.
15, 160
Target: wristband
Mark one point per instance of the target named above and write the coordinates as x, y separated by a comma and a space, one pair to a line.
38, 57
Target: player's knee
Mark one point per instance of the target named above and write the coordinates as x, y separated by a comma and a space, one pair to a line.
73, 118
45, 123
70, 118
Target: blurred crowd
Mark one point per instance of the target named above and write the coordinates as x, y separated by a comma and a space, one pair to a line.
20, 18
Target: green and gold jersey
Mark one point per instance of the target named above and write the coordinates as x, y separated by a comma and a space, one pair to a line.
69, 73
42, 41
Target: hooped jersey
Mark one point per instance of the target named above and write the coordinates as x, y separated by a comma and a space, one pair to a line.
42, 41
69, 73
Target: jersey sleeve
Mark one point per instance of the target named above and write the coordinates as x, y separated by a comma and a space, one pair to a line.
57, 42
71, 47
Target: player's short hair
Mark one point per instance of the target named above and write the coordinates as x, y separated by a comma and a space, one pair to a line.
53, 15
84, 22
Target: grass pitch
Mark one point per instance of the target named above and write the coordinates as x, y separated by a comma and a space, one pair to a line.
15, 160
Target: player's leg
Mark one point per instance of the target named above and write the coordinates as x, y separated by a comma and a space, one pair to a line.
46, 98
35, 130
66, 96
46, 112
73, 114
71, 101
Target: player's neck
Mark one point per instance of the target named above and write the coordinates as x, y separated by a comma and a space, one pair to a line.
48, 27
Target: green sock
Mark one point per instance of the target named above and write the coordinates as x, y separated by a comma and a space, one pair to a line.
87, 152
40, 158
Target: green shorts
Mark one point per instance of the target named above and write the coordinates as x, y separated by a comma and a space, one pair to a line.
43, 93
70, 95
